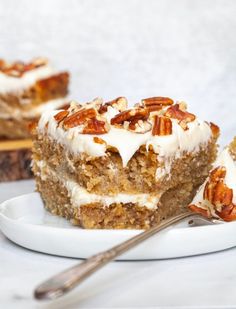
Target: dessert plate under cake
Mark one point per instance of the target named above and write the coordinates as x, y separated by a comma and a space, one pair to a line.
24, 221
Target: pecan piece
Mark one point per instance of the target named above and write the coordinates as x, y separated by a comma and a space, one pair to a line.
162, 126
156, 103
216, 191
98, 140
218, 194
215, 130
119, 103
164, 101
199, 210
79, 117
138, 126
61, 115
177, 113
32, 126
228, 213
217, 174
95, 126
130, 115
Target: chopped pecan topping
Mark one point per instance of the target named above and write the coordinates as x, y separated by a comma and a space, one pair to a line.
61, 115
130, 115
98, 140
184, 117
133, 120
95, 126
162, 126
119, 103
79, 117
177, 113
138, 126
215, 130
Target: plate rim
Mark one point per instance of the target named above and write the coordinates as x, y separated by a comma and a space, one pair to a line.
165, 249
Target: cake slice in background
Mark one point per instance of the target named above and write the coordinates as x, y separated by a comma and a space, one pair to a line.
217, 196
26, 90
102, 165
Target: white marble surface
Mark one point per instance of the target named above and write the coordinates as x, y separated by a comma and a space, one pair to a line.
207, 281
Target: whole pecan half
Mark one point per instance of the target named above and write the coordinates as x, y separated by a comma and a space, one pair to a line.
79, 117
162, 126
156, 103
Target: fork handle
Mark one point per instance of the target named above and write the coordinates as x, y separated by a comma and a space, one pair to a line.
63, 282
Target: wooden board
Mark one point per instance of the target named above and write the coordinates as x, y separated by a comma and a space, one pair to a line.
15, 160
15, 144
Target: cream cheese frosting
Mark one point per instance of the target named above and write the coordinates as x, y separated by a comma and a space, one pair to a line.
127, 142
80, 196
15, 84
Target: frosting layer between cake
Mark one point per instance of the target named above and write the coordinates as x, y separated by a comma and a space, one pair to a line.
80, 196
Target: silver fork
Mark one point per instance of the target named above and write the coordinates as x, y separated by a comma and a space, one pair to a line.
65, 281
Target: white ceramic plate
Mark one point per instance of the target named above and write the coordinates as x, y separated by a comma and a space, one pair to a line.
24, 221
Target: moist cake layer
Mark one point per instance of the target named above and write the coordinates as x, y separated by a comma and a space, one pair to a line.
113, 167
107, 174
58, 201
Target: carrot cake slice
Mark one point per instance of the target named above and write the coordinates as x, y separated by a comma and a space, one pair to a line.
26, 90
216, 198
103, 165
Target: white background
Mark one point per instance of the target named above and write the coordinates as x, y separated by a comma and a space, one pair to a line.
185, 49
